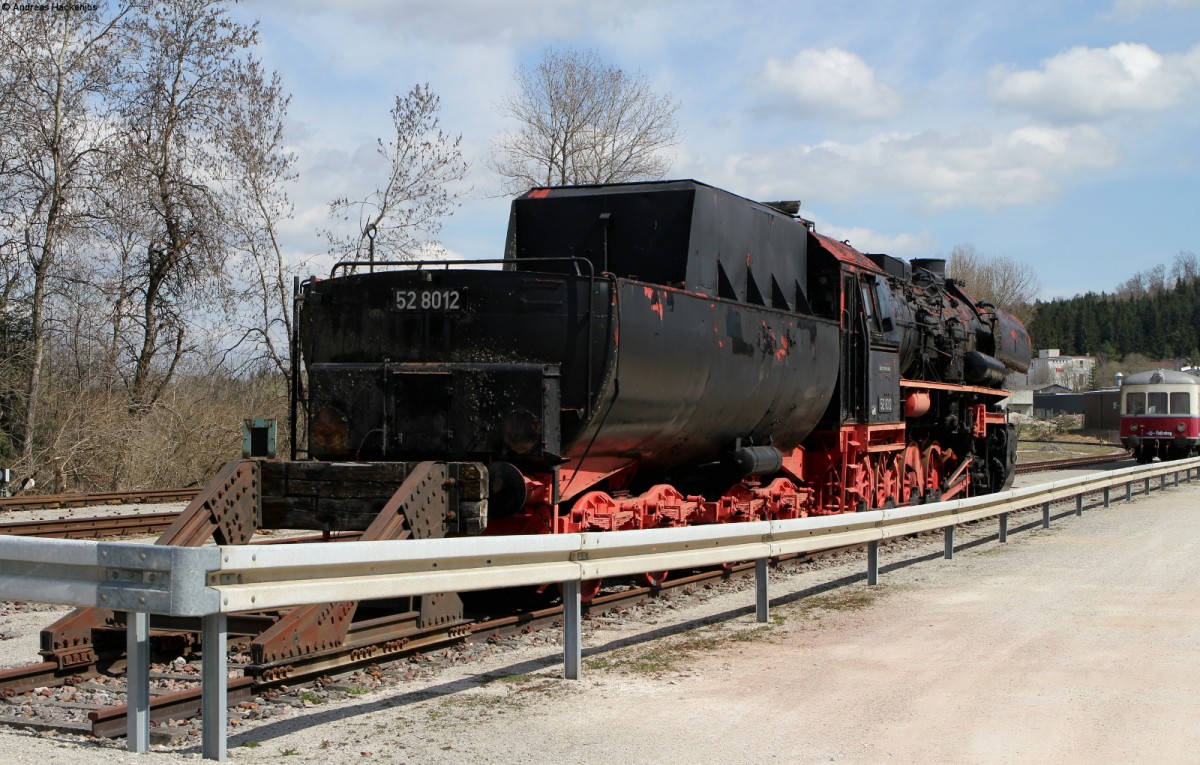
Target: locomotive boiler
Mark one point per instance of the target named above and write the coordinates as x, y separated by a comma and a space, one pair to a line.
643, 355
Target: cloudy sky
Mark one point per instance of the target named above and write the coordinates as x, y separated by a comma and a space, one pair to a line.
1063, 133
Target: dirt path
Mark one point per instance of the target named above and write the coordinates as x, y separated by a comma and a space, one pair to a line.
1077, 644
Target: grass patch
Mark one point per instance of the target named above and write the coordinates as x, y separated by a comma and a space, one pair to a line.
667, 655
847, 600
514, 679
311, 698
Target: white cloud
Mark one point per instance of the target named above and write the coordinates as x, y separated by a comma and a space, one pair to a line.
829, 83
937, 171
902, 245
1092, 83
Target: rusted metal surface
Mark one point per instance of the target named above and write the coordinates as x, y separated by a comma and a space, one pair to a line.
88, 528
110, 722
417, 509
50, 501
1070, 462
45, 674
226, 509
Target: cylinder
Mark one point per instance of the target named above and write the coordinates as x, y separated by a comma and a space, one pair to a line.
758, 460
916, 404
981, 369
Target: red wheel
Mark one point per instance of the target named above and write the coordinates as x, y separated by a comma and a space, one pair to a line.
652, 578
912, 483
888, 488
589, 589
932, 463
863, 485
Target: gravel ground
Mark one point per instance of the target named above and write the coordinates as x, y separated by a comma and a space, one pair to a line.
1075, 644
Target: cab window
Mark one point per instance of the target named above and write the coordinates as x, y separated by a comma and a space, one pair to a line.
1156, 402
1135, 403
1181, 403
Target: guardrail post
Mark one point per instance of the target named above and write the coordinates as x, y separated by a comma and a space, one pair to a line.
1129, 491
572, 625
762, 602
137, 681
872, 563
1162, 482
949, 542
214, 700
1079, 504
1175, 479
1106, 496
1045, 515
1003, 527
1147, 492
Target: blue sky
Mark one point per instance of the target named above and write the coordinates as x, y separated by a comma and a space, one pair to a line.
1064, 134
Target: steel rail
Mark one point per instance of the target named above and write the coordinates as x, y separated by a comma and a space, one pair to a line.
52, 501
1070, 462
90, 528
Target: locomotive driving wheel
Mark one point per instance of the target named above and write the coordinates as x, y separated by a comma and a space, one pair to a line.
652, 578
863, 485
912, 481
589, 589
933, 462
887, 480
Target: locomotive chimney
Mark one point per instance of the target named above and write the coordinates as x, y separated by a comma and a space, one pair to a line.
935, 266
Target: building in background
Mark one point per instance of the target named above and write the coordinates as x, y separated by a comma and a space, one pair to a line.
1051, 368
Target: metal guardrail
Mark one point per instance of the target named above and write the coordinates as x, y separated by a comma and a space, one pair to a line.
212, 582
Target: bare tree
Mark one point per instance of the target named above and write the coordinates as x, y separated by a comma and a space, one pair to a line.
256, 204
1185, 269
583, 121
1156, 279
188, 74
66, 61
403, 214
999, 280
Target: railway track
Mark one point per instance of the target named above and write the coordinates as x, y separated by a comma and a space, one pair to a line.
90, 700
1070, 462
153, 523
53, 501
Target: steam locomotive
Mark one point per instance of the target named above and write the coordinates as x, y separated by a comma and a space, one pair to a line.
662, 354
644, 355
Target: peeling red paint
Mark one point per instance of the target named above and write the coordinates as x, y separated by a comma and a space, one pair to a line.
782, 353
655, 302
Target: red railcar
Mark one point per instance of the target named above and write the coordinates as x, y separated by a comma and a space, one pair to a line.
1160, 414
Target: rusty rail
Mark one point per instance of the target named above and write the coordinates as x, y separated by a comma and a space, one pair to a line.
51, 501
